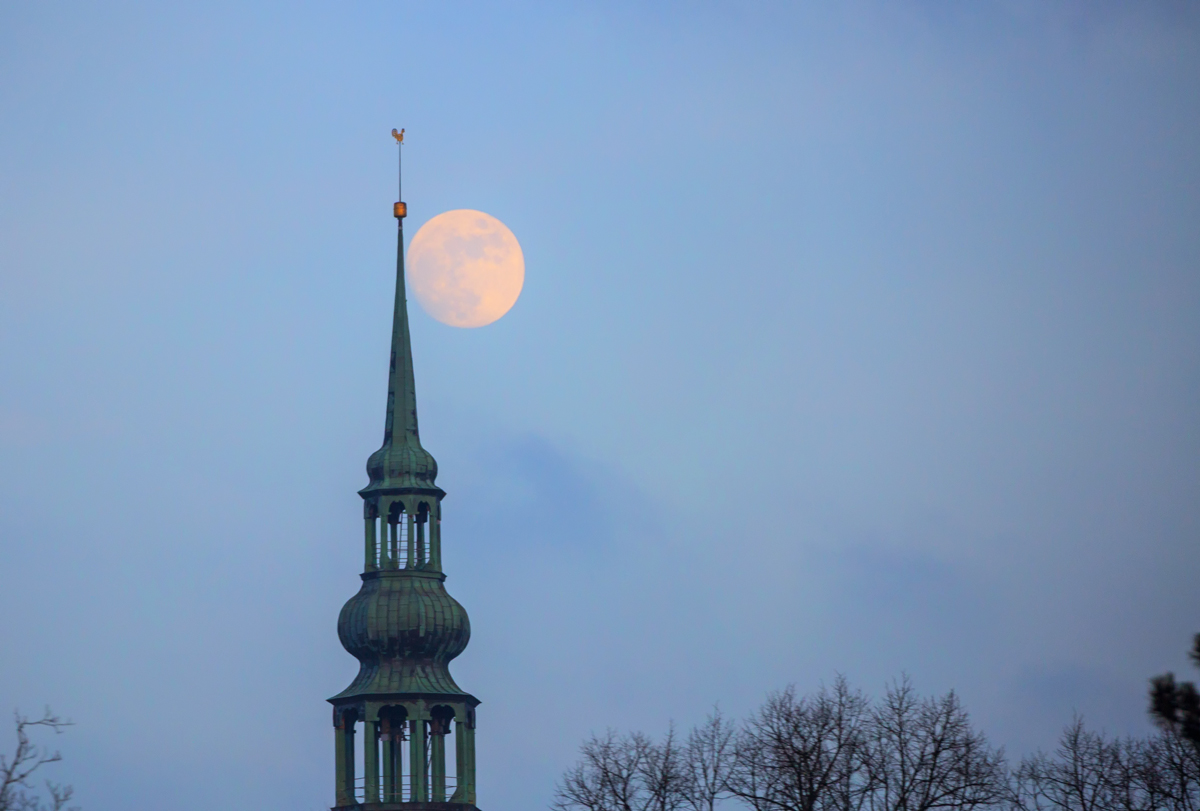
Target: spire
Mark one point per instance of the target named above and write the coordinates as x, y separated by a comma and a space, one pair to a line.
401, 462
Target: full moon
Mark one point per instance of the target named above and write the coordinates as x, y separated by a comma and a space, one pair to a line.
465, 268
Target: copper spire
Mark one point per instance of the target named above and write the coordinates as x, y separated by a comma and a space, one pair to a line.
401, 462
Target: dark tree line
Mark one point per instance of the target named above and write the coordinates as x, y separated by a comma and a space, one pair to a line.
838, 750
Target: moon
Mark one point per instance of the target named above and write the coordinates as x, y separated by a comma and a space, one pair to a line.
465, 268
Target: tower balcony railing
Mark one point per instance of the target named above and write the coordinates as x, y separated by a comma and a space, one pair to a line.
402, 791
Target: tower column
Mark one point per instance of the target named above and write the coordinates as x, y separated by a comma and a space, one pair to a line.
437, 758
469, 750
435, 537
370, 761
416, 763
339, 763
464, 740
370, 564
344, 753
460, 788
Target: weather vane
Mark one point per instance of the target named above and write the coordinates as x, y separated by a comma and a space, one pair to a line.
399, 209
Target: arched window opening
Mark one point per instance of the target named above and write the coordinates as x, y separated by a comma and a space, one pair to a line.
397, 532
385, 777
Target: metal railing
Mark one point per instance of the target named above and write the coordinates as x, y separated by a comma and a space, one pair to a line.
401, 792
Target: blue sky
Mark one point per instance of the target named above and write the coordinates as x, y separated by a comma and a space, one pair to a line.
858, 338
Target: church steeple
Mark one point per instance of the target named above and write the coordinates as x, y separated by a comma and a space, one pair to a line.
401, 461
402, 626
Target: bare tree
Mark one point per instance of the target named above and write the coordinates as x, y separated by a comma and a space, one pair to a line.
836, 751
1090, 772
664, 776
708, 761
1170, 770
603, 779
16, 792
624, 773
804, 754
922, 754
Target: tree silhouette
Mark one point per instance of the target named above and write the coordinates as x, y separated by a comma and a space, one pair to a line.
1175, 706
833, 750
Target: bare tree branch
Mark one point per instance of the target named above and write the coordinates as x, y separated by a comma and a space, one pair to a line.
923, 754
1089, 772
28, 758
804, 754
624, 773
836, 751
709, 759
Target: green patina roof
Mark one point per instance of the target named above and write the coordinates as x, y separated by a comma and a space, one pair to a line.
404, 628
401, 463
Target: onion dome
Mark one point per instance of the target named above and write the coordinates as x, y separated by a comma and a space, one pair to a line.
404, 628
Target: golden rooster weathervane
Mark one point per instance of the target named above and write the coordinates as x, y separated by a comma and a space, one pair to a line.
399, 136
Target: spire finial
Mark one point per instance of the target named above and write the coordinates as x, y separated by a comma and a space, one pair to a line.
400, 209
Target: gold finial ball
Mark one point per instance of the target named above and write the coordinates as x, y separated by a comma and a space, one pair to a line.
400, 210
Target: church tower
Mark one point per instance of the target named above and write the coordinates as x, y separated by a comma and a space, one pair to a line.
402, 626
